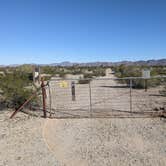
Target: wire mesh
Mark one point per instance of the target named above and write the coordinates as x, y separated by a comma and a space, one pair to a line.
104, 97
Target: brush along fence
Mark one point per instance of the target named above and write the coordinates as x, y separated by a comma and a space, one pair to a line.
102, 97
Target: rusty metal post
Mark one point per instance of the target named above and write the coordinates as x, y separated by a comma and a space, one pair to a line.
44, 97
131, 95
90, 98
146, 85
22, 106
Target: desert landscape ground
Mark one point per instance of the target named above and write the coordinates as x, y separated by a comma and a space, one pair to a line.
83, 83
28, 140
105, 142
74, 139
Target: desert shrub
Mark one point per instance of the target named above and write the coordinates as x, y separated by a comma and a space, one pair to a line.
13, 87
88, 75
50, 70
140, 83
75, 69
84, 81
163, 92
122, 71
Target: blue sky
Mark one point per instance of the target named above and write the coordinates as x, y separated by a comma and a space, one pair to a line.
48, 31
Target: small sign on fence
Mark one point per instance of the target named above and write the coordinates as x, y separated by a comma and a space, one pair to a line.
146, 73
63, 84
36, 74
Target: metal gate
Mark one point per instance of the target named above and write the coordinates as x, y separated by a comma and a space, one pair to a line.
102, 97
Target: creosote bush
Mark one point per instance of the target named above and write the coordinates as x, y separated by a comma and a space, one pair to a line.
84, 81
15, 88
122, 71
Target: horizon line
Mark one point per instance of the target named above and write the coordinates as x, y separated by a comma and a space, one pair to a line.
33, 63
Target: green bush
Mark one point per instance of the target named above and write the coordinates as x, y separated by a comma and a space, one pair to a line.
88, 75
163, 92
84, 81
16, 88
96, 71
122, 71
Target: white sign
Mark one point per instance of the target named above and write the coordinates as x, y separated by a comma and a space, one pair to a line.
146, 73
36, 74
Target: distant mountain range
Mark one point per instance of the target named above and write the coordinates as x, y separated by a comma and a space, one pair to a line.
160, 62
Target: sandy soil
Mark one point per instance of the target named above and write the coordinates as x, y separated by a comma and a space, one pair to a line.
32, 141
106, 142
21, 141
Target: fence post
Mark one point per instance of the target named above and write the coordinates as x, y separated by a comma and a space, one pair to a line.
44, 97
73, 91
146, 85
131, 95
90, 98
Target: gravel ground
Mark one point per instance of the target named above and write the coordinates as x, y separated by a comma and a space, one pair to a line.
106, 142
21, 142
32, 141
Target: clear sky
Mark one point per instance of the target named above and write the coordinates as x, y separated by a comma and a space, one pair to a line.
49, 31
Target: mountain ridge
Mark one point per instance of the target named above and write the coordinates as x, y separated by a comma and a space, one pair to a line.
159, 62
152, 62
